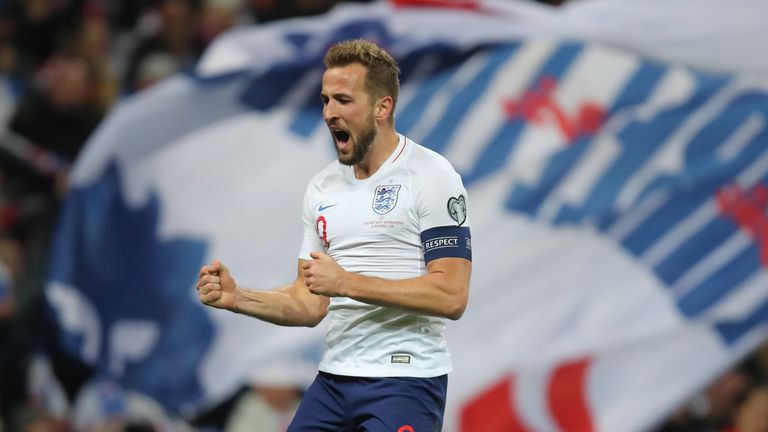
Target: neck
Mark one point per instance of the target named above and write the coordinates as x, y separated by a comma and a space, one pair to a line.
382, 147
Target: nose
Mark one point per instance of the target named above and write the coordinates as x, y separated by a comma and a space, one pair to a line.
330, 113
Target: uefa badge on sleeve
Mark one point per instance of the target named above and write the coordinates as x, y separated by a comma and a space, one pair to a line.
385, 198
457, 209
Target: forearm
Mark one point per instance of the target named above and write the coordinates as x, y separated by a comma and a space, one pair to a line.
280, 306
431, 294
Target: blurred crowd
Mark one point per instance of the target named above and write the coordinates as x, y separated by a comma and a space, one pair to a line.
63, 65
737, 401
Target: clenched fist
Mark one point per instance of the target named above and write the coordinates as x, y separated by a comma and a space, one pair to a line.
323, 276
216, 287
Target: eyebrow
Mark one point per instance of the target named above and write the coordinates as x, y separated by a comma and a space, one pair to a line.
336, 95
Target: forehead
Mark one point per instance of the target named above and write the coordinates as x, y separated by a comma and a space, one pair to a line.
344, 79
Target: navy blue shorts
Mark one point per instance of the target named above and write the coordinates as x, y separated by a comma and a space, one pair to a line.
336, 403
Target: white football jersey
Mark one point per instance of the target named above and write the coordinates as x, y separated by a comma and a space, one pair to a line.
375, 227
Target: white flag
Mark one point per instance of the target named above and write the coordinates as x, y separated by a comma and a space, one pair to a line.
618, 200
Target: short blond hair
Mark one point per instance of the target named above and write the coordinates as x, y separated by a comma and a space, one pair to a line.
383, 77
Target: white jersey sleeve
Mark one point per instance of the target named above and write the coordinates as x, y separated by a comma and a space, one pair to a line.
442, 212
313, 228
442, 201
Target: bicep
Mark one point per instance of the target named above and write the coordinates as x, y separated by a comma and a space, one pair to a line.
300, 291
450, 276
454, 273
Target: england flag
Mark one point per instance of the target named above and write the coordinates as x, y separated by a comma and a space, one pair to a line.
618, 193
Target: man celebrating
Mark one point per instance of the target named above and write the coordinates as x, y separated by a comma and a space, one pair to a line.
386, 255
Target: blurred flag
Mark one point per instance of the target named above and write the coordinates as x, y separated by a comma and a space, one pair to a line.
618, 206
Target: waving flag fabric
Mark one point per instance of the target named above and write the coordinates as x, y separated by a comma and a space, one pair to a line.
618, 206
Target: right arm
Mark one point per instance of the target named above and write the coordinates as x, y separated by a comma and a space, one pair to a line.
290, 305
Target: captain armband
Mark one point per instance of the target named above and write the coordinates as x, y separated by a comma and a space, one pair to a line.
446, 241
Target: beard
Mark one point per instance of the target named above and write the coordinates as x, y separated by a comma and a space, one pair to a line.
361, 146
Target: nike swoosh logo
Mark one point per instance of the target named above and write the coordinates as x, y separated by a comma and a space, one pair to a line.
323, 208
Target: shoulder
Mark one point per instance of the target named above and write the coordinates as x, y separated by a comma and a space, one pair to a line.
331, 173
425, 163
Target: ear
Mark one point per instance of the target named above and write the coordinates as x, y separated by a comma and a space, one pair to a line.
383, 108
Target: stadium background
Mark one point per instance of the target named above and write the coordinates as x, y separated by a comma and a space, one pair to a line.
65, 66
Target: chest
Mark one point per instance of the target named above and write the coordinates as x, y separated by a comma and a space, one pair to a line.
383, 212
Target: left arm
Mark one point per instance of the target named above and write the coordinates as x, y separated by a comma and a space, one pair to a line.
443, 291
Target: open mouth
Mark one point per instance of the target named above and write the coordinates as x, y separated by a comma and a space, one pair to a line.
342, 140
341, 136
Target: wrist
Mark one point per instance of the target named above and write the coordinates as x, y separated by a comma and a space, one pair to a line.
236, 300
347, 285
